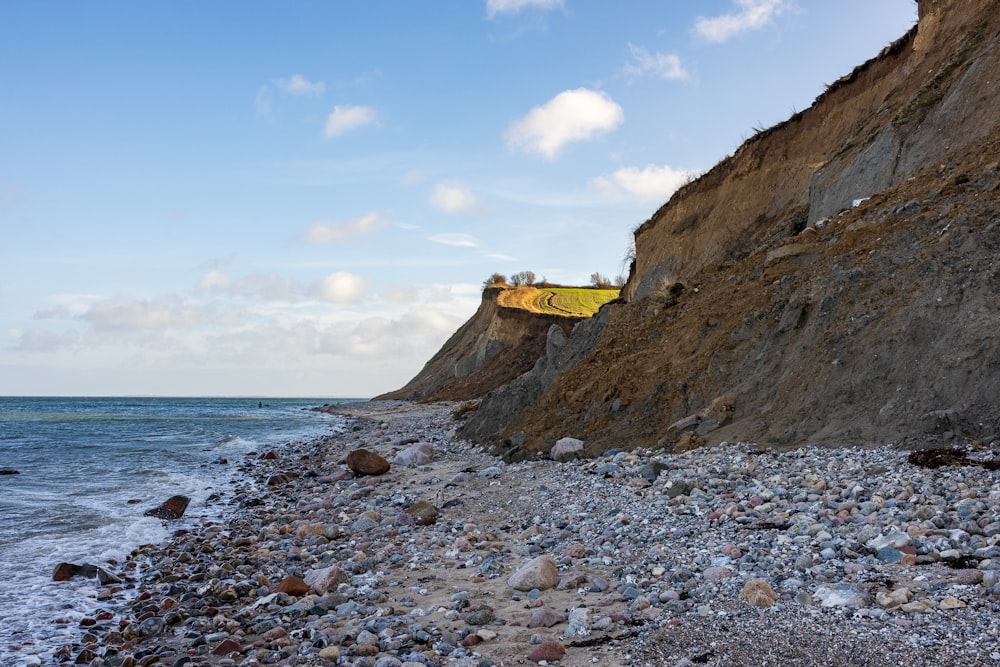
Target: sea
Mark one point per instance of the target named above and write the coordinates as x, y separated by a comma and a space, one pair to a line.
87, 469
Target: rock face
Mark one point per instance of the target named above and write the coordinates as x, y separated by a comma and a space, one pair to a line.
495, 346
365, 462
833, 281
173, 508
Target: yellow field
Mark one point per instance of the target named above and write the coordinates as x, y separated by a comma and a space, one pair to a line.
570, 301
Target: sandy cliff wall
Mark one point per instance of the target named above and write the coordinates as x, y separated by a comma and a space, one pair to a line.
763, 305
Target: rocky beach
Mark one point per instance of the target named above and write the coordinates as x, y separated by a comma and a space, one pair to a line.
726, 555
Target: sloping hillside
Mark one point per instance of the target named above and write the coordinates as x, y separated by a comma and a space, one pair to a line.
502, 340
764, 305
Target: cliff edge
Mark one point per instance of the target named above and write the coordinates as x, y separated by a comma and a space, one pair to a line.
835, 281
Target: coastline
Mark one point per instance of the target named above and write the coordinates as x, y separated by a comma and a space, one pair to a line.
652, 550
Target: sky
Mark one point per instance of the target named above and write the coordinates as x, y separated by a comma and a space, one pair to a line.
304, 198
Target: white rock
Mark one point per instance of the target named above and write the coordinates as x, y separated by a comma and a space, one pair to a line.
417, 454
841, 595
579, 622
566, 449
894, 539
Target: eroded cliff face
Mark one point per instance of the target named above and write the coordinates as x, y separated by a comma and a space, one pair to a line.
765, 305
496, 345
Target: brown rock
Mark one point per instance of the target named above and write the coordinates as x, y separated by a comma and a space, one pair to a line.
293, 586
364, 462
423, 509
65, 571
173, 508
547, 651
270, 456
758, 593
226, 646
540, 573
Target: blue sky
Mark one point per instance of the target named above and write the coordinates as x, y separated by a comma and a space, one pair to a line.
304, 198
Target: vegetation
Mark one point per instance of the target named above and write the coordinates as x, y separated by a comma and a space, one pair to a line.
568, 301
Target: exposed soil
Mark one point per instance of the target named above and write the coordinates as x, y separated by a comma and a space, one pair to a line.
835, 282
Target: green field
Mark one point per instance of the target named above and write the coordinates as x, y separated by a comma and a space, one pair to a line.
570, 301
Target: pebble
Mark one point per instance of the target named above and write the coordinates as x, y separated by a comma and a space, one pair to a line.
708, 533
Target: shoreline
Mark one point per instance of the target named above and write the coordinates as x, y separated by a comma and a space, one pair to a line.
653, 551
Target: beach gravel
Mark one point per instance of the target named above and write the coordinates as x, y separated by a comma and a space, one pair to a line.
721, 556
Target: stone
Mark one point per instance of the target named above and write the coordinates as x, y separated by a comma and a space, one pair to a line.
889, 555
418, 454
105, 578
545, 617
758, 593
9, 471
566, 449
226, 646
323, 580
549, 651
172, 508
270, 456
951, 603
483, 616
330, 652
365, 462
677, 487
895, 539
841, 595
579, 622
423, 510
540, 573
292, 585
717, 573
969, 576
65, 571
650, 471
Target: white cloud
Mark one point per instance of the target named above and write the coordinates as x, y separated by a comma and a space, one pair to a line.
453, 198
572, 115
456, 240
343, 287
214, 280
662, 65
299, 85
494, 7
651, 182
324, 232
751, 15
345, 119
156, 314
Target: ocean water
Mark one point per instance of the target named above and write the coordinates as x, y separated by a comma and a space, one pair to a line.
80, 463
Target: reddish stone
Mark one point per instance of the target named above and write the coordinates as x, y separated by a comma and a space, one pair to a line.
226, 646
547, 651
293, 586
364, 462
65, 571
173, 508
270, 456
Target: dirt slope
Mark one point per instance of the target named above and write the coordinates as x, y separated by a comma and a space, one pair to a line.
493, 347
763, 306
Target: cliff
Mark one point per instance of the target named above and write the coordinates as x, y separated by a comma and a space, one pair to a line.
835, 281
497, 344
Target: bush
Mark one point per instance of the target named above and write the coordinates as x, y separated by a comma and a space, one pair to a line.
496, 280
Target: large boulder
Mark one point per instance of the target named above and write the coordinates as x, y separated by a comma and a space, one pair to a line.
173, 508
566, 449
417, 454
540, 573
365, 462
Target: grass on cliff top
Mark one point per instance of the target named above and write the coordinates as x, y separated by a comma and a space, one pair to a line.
567, 301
